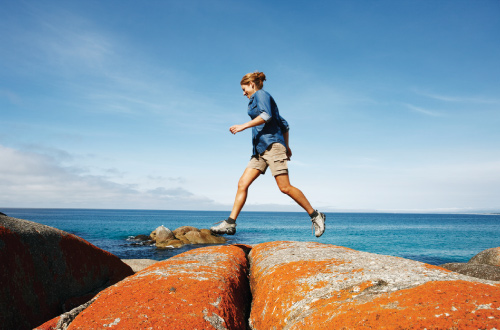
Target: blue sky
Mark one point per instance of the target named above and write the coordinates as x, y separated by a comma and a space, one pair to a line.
393, 105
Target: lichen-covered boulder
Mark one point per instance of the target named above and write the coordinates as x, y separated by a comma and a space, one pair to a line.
487, 257
297, 285
42, 268
487, 272
205, 288
49, 325
62, 322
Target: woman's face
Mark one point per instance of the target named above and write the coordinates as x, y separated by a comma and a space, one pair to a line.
248, 90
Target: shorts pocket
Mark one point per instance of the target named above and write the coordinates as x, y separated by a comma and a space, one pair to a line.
279, 152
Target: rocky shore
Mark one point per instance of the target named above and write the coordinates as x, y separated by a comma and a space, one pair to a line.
274, 285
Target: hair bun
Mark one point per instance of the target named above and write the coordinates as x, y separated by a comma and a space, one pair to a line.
256, 77
260, 76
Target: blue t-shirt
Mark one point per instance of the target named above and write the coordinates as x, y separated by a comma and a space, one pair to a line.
262, 104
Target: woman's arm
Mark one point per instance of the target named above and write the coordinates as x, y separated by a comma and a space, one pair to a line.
252, 123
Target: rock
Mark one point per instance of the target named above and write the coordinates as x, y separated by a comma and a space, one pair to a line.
163, 238
49, 325
202, 237
143, 238
184, 229
298, 285
487, 272
173, 243
183, 239
1, 213
63, 321
487, 257
205, 288
139, 264
163, 234
206, 231
42, 268
153, 235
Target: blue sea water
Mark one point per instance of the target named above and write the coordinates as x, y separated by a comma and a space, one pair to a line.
430, 238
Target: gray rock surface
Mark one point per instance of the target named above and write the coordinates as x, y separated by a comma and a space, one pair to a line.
487, 257
487, 272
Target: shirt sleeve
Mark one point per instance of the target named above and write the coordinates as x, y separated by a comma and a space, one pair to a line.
263, 105
283, 125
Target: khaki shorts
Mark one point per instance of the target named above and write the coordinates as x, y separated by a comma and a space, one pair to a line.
274, 157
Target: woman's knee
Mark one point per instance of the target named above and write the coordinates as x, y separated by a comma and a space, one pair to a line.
243, 184
285, 189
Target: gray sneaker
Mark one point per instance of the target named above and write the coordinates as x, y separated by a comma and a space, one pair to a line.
224, 228
318, 224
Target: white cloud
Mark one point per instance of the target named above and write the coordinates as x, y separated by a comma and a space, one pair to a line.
423, 111
31, 179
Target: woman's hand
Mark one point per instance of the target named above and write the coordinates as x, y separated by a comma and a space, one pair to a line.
237, 128
288, 153
252, 123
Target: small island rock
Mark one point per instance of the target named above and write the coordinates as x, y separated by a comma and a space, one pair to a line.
184, 229
163, 234
487, 272
202, 237
487, 257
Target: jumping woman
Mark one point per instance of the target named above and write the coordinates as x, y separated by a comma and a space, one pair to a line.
270, 149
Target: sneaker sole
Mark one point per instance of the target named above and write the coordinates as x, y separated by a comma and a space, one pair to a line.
227, 232
324, 225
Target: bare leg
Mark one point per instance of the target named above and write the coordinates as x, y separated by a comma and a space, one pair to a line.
283, 182
246, 180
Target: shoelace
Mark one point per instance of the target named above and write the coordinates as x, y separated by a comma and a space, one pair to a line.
219, 222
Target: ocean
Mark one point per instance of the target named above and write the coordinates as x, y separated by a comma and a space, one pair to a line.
431, 238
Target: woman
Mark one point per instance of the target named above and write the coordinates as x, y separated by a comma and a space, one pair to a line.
270, 149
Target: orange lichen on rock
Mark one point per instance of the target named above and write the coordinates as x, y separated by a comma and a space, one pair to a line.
206, 288
277, 287
303, 286
433, 305
88, 263
49, 325
43, 267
